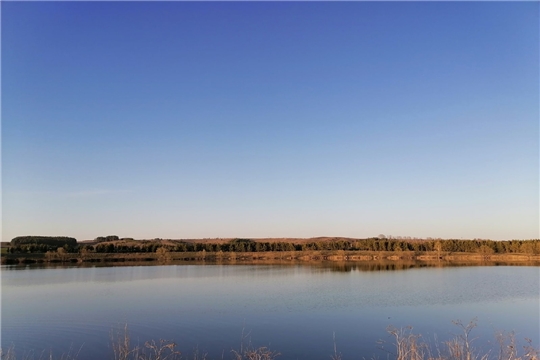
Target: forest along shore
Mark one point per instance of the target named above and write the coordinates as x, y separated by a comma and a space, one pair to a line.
44, 249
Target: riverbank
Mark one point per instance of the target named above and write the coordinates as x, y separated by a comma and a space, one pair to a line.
268, 257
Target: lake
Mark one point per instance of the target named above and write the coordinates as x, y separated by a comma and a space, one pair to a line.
293, 309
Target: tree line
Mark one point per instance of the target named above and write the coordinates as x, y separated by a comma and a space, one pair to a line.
113, 245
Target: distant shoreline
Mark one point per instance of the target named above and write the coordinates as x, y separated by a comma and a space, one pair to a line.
270, 257
40, 249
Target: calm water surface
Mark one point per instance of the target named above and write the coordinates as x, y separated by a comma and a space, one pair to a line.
292, 309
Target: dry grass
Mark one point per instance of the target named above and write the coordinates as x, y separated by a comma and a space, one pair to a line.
248, 352
152, 350
411, 346
166, 349
406, 345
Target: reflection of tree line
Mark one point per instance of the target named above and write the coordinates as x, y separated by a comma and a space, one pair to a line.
402, 265
113, 244
370, 266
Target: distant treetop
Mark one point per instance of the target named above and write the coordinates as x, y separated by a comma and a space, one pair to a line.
106, 238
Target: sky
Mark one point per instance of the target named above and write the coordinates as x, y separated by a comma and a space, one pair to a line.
270, 119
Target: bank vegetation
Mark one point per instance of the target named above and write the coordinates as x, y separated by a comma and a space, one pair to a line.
32, 249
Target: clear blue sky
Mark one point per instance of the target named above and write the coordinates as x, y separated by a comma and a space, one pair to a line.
274, 119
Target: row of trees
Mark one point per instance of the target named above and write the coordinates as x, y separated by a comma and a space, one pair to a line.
41, 248
248, 245
237, 245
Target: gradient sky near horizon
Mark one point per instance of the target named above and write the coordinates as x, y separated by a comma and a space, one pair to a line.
271, 119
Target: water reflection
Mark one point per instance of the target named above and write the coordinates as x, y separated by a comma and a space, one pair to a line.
407, 265
337, 266
295, 307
